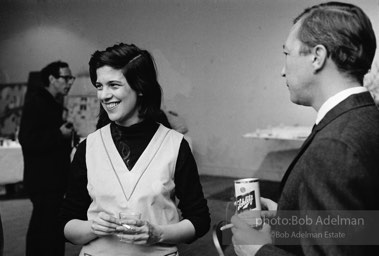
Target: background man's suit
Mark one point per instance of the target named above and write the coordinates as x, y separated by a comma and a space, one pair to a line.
46, 155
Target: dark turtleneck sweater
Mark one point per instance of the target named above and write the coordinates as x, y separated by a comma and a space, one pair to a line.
130, 143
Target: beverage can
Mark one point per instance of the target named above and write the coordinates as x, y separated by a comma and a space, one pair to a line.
248, 201
247, 194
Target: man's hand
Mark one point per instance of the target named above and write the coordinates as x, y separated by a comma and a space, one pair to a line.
268, 204
246, 240
269, 208
66, 130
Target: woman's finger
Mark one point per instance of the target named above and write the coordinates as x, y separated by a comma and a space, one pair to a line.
102, 227
134, 239
126, 238
106, 218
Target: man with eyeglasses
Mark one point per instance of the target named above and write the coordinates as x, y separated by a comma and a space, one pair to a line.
45, 137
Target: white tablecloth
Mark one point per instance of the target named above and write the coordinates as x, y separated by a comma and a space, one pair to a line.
11, 164
296, 133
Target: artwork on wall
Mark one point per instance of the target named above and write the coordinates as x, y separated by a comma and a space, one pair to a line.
82, 105
11, 102
82, 112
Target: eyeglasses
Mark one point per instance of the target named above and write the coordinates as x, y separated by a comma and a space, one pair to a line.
68, 78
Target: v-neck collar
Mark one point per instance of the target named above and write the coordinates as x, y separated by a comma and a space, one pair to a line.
129, 179
132, 141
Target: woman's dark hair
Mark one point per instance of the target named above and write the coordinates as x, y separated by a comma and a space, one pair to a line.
139, 70
345, 31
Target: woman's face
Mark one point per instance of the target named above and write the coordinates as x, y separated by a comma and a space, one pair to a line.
116, 96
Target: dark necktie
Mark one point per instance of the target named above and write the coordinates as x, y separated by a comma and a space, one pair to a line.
314, 127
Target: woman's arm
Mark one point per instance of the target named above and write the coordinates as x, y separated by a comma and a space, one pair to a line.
84, 231
76, 227
73, 215
180, 232
79, 231
188, 189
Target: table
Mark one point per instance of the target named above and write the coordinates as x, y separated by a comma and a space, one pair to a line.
295, 133
11, 163
282, 147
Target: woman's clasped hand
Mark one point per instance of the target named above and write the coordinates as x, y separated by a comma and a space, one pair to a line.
139, 232
128, 231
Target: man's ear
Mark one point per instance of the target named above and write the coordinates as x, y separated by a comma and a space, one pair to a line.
51, 78
319, 55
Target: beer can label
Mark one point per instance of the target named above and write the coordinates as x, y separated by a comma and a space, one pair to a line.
247, 194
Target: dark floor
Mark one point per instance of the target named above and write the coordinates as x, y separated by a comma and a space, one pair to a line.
16, 209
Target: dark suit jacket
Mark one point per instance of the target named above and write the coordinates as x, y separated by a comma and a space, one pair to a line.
46, 152
337, 168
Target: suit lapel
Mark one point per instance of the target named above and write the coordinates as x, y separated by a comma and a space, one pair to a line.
299, 154
352, 102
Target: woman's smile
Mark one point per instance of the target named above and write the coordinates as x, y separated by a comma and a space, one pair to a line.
111, 105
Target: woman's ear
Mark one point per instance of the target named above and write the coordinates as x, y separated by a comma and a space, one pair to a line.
319, 56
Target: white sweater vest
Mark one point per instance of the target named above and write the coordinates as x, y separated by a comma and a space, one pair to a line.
148, 188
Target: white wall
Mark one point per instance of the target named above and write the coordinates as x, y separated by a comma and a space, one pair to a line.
219, 63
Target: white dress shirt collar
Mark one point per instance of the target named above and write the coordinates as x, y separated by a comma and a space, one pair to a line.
335, 100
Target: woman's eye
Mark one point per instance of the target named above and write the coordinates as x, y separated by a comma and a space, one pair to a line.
114, 85
98, 86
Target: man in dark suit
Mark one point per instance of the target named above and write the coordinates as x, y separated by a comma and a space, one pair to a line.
328, 51
45, 138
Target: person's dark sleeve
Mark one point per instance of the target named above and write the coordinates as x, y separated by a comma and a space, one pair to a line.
77, 200
188, 189
269, 250
339, 180
1, 238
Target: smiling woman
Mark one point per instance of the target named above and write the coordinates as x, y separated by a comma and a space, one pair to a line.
132, 163
126, 65
116, 96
